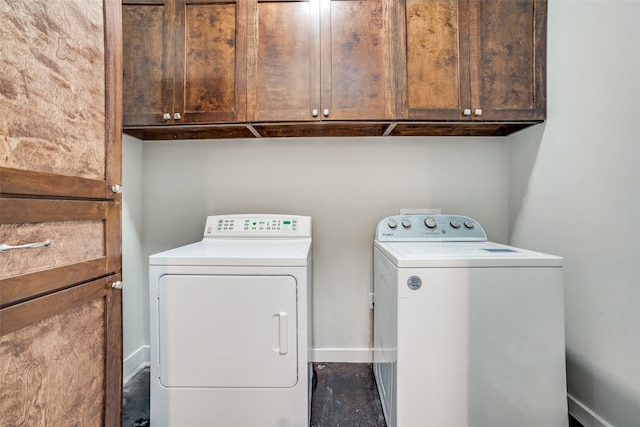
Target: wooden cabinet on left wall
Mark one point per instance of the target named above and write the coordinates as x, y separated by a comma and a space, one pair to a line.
60, 213
184, 61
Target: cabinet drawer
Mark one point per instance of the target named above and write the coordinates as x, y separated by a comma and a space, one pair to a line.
79, 251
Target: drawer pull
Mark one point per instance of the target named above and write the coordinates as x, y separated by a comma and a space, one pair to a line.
5, 248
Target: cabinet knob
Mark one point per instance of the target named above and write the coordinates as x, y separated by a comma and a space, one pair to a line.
166, 116
467, 112
177, 116
325, 112
478, 112
314, 113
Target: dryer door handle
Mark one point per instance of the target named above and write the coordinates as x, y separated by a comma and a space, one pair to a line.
283, 329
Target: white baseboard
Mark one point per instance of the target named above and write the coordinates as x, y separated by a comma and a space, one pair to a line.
136, 361
585, 415
342, 355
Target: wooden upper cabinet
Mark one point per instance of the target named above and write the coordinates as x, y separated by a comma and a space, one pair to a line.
387, 67
508, 58
436, 82
184, 61
148, 80
357, 59
469, 60
283, 60
320, 60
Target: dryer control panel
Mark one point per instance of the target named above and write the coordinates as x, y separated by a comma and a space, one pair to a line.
257, 225
435, 228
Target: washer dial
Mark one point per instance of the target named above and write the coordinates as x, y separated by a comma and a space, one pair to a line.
430, 222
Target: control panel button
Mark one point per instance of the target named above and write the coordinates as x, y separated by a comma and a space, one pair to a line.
406, 223
454, 223
469, 224
430, 222
392, 224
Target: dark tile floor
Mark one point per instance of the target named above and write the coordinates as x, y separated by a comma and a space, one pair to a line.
135, 411
344, 394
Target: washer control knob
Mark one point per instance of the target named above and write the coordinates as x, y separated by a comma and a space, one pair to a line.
392, 223
406, 223
430, 222
469, 224
454, 223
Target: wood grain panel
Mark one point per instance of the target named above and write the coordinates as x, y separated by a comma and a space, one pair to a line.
210, 62
145, 72
433, 62
52, 87
508, 59
16, 211
320, 129
52, 372
20, 288
358, 67
113, 354
458, 129
505, 55
281, 68
31, 183
160, 133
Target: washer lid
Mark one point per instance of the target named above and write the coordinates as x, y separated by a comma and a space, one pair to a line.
463, 254
241, 252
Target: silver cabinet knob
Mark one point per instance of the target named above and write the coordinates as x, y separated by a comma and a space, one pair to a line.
177, 116
467, 112
478, 112
166, 116
325, 112
314, 113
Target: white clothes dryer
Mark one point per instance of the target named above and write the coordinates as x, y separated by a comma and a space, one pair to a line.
230, 325
467, 333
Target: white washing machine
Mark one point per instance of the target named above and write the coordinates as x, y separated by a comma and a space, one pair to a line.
467, 333
230, 325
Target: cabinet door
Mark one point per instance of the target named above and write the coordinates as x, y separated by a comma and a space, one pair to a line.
60, 356
356, 57
283, 60
508, 50
210, 61
148, 63
436, 82
60, 158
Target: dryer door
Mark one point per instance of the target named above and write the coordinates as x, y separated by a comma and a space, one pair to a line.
227, 331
